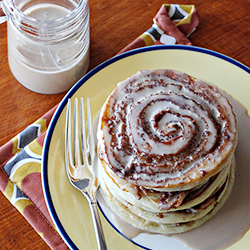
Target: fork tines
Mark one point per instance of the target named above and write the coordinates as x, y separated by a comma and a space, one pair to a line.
84, 145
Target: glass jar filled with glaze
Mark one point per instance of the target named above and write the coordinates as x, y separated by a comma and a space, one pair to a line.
48, 42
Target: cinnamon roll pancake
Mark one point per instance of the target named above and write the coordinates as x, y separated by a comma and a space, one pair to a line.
166, 144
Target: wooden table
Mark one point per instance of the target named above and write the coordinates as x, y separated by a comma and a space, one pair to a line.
225, 28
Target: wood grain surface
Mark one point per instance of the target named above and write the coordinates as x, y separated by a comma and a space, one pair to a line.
225, 28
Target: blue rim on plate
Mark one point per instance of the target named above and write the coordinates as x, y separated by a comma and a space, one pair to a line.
63, 103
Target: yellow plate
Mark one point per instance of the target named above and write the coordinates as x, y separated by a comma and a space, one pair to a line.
67, 206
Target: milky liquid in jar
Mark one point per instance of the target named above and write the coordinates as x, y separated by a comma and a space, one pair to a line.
57, 56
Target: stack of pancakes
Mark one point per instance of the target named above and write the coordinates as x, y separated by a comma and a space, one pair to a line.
166, 144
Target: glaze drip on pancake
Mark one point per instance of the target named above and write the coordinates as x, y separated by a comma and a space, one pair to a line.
163, 128
166, 144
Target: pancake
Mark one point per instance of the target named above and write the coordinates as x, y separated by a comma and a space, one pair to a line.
170, 222
151, 200
166, 143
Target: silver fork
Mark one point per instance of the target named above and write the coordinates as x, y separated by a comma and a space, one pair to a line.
79, 162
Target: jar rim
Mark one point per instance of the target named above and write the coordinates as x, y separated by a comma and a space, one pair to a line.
15, 13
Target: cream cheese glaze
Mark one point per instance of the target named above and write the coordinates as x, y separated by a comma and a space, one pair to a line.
166, 130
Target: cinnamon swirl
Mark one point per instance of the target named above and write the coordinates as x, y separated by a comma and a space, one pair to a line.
166, 143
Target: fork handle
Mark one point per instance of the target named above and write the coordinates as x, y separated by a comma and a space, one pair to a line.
99, 234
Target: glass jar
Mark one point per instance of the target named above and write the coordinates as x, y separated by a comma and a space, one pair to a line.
48, 42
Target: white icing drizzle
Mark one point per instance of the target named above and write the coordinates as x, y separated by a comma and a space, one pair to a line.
165, 128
